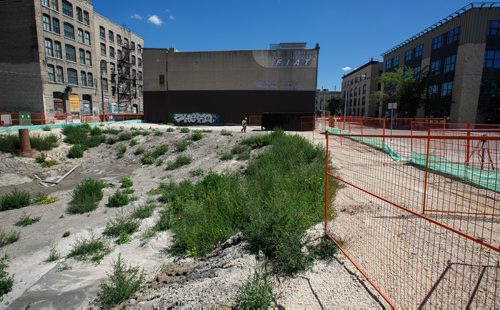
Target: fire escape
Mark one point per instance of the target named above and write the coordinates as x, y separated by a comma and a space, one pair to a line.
127, 80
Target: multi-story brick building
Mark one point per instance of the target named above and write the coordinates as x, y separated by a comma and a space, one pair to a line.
358, 87
50, 60
462, 54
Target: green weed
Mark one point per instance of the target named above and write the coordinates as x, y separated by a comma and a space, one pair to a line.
184, 130
121, 225
181, 146
111, 131
86, 196
170, 129
133, 142
14, 200
76, 151
27, 220
54, 255
92, 249
45, 142
225, 132
226, 156
111, 140
118, 199
126, 182
7, 238
124, 136
196, 135
6, 280
256, 292
139, 151
9, 143
181, 160
197, 172
120, 150
144, 211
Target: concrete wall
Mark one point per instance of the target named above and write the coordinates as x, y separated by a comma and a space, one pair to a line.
21, 85
155, 64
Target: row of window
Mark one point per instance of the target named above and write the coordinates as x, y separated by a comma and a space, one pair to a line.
67, 9
56, 75
450, 37
492, 59
490, 88
446, 89
494, 28
111, 39
392, 63
54, 49
416, 52
354, 91
53, 25
359, 101
447, 66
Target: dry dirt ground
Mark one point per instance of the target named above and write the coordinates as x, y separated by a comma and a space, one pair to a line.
214, 280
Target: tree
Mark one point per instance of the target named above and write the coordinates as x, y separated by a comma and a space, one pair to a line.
404, 87
335, 106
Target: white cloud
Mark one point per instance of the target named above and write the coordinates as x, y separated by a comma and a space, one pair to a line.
347, 68
136, 16
171, 17
155, 20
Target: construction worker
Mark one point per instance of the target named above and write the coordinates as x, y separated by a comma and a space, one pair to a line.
244, 125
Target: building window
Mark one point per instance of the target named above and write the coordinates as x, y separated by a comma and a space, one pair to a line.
45, 3
111, 52
102, 33
494, 27
132, 46
125, 42
55, 25
111, 36
139, 62
446, 89
139, 75
449, 63
87, 37
103, 49
490, 88
46, 22
80, 36
51, 73
453, 35
72, 76
55, 4
104, 68
59, 74
363, 101
82, 56
49, 52
83, 78
67, 8
86, 18
105, 85
433, 89
436, 66
408, 55
388, 64
395, 61
69, 31
133, 59
492, 59
139, 49
162, 79
364, 89
90, 80
79, 14
70, 53
437, 42
57, 49
119, 40
112, 67
88, 58
417, 72
419, 50
119, 54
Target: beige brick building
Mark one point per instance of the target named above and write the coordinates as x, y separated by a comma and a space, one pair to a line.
51, 58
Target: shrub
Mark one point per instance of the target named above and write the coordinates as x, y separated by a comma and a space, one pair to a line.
91, 250
121, 225
256, 292
125, 136
95, 131
54, 255
9, 143
7, 238
144, 211
126, 182
159, 151
226, 156
14, 200
170, 129
94, 141
184, 130
225, 132
6, 280
86, 196
118, 199
44, 143
139, 151
181, 146
120, 150
148, 160
27, 220
46, 128
76, 151
123, 281
110, 140
196, 135
181, 160
76, 134
133, 142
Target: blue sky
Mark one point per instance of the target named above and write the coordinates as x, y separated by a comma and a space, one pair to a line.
349, 32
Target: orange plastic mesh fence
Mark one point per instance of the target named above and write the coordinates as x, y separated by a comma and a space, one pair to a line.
419, 215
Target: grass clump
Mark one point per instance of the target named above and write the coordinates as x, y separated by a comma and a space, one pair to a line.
241, 151
196, 135
9, 143
126, 182
170, 129
6, 280
125, 136
151, 157
42, 160
15, 200
92, 249
148, 160
226, 156
123, 281
118, 199
139, 151
44, 143
7, 238
54, 255
256, 292
86, 196
76, 151
120, 150
111, 131
157, 133
111, 140
27, 220
121, 225
225, 132
256, 142
181, 160
181, 146
184, 130
197, 172
83, 135
144, 212
95, 131
133, 142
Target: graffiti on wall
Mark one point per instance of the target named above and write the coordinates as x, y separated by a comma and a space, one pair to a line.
194, 118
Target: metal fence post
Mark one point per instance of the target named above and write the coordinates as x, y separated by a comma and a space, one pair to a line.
426, 168
326, 183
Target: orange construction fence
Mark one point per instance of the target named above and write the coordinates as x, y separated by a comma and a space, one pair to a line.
40, 118
418, 215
